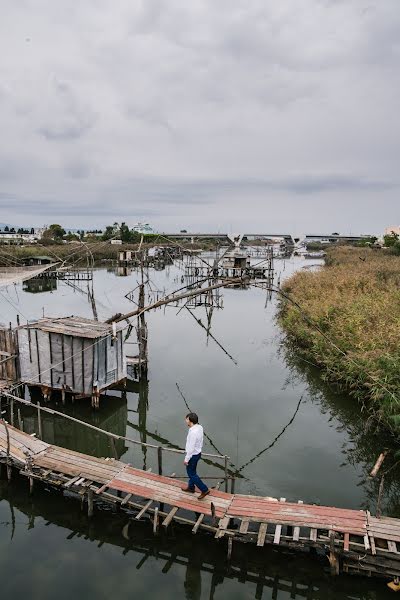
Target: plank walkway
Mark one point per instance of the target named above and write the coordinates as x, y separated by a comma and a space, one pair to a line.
363, 542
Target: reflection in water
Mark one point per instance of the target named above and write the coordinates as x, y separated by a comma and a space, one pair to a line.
68, 434
198, 563
39, 285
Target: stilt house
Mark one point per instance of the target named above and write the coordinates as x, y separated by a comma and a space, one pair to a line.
72, 354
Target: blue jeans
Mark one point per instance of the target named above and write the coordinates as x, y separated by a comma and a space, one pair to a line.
194, 479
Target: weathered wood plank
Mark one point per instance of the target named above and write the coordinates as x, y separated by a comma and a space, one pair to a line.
198, 523
170, 516
262, 532
222, 527
143, 510
277, 536
244, 525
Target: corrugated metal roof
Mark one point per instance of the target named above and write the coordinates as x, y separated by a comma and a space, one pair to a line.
75, 326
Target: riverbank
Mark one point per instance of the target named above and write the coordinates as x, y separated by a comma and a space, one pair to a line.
77, 251
351, 326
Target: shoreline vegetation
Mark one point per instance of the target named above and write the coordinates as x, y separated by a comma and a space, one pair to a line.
350, 327
100, 250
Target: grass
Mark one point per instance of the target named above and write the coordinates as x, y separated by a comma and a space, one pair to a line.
355, 302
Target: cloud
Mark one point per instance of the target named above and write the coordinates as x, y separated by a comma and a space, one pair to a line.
200, 112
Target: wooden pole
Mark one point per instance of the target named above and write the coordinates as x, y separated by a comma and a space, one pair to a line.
113, 448
155, 521
159, 454
90, 502
39, 421
226, 472
378, 464
20, 425
172, 298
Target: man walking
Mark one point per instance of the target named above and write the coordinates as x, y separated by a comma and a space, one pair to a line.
194, 446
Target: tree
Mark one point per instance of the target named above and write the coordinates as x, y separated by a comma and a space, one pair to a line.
108, 233
391, 240
125, 233
54, 232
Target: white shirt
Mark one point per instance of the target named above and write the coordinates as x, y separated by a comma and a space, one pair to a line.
194, 441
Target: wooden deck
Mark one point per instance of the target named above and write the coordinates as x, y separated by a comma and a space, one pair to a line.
353, 538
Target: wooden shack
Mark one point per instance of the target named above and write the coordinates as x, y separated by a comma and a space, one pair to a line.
235, 262
71, 354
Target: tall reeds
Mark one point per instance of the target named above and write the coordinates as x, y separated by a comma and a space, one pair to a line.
353, 327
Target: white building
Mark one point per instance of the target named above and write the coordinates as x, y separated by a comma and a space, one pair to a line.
31, 236
143, 228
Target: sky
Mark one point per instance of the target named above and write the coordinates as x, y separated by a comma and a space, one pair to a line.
205, 115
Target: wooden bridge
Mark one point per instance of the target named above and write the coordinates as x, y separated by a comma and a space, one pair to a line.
353, 540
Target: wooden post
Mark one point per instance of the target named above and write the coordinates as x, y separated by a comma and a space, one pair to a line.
230, 544
113, 448
226, 473
12, 412
155, 521
333, 558
31, 481
159, 454
233, 481
39, 421
20, 420
90, 502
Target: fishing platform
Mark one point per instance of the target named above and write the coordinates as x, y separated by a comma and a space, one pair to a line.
354, 541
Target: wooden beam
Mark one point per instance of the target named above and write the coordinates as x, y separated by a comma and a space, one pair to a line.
145, 507
262, 532
170, 516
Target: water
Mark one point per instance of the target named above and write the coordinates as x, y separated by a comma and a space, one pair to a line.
287, 433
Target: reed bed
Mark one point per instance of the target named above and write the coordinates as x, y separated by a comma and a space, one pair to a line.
350, 325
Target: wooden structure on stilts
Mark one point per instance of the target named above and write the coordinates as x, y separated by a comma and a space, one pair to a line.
74, 355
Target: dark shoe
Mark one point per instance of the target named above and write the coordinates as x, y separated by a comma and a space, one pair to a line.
189, 490
203, 495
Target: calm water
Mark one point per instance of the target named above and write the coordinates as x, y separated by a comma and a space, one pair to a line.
287, 433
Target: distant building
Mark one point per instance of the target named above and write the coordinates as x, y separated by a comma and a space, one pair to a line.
30, 261
21, 236
143, 228
116, 242
395, 229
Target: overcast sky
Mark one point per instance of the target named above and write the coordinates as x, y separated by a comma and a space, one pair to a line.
231, 115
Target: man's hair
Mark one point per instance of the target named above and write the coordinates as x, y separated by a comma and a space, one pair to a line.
193, 418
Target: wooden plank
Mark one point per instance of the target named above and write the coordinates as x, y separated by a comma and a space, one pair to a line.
72, 481
244, 526
170, 491
313, 534
183, 501
198, 523
296, 534
366, 543
126, 499
346, 542
79, 481
170, 516
277, 536
143, 510
222, 527
262, 532
378, 464
373, 548
392, 547
102, 489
